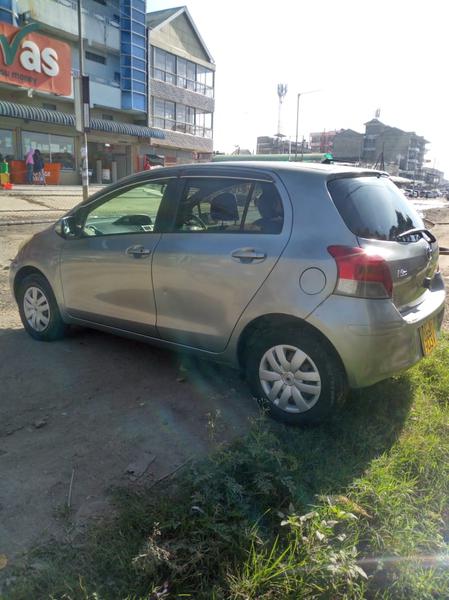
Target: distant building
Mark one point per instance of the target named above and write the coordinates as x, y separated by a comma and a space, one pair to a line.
347, 145
432, 177
322, 141
405, 149
241, 151
279, 145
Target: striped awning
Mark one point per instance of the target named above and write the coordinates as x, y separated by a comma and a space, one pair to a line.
56, 117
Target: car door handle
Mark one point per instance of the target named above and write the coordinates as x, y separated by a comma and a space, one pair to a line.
248, 254
138, 251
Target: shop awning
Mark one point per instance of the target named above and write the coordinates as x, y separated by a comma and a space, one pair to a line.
56, 117
125, 128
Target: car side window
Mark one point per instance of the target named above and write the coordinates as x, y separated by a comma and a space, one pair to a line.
265, 213
213, 205
133, 210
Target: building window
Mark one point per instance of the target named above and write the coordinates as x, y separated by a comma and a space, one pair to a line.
54, 148
103, 2
117, 77
48, 106
107, 117
98, 58
6, 143
181, 72
185, 119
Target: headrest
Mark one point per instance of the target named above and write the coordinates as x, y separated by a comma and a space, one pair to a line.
224, 207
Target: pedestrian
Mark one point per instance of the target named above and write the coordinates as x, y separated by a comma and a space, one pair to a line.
38, 167
29, 162
146, 163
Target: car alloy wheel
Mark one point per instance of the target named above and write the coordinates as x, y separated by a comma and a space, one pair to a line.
290, 379
36, 308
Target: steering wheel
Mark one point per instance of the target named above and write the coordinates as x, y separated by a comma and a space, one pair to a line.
189, 218
91, 230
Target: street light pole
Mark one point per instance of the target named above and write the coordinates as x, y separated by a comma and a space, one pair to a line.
297, 122
297, 119
81, 99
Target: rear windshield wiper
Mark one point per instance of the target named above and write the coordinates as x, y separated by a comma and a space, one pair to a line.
424, 233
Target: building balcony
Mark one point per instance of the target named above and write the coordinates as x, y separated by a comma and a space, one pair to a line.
60, 17
166, 91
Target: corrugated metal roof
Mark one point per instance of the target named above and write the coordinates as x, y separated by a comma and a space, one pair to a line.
57, 117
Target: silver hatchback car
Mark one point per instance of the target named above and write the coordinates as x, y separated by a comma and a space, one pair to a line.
309, 279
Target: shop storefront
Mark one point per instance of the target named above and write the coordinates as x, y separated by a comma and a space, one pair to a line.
57, 149
115, 148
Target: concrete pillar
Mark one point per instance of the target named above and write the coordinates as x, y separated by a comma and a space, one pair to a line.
99, 167
114, 171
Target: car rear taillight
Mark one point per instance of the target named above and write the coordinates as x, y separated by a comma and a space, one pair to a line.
361, 274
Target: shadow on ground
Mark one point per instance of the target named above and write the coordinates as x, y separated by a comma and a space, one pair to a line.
333, 455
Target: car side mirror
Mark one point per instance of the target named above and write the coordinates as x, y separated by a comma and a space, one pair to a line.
67, 227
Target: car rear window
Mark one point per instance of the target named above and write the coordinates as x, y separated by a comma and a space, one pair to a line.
373, 207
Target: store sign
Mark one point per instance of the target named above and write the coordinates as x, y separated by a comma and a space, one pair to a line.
29, 59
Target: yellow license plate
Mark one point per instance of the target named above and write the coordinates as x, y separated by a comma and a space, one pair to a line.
428, 337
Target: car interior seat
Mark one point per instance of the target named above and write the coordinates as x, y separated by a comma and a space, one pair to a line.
223, 208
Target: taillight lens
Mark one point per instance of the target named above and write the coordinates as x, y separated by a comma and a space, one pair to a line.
361, 274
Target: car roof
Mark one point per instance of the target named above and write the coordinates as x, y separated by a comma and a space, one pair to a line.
245, 168
315, 168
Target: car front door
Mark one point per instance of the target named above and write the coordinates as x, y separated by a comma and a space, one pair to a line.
228, 235
106, 268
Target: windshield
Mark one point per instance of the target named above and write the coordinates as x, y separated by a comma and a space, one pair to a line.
373, 207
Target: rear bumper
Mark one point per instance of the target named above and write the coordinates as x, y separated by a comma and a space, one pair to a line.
373, 339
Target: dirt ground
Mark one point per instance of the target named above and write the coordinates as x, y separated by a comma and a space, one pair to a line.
102, 410
108, 410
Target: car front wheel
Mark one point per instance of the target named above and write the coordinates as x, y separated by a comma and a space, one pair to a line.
295, 376
38, 309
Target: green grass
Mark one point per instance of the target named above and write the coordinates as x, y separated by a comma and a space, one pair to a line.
357, 508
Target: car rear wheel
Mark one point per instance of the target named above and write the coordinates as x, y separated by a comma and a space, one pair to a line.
295, 376
38, 309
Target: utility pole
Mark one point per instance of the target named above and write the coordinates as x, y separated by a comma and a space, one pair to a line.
83, 99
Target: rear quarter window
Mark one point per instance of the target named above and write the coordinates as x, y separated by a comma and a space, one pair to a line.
373, 207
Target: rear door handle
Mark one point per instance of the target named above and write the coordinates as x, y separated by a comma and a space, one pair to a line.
248, 254
138, 251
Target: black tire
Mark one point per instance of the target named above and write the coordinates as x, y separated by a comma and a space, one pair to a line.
323, 360
56, 328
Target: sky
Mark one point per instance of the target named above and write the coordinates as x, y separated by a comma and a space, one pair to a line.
358, 55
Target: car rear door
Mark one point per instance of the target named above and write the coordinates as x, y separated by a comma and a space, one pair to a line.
221, 250
377, 212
